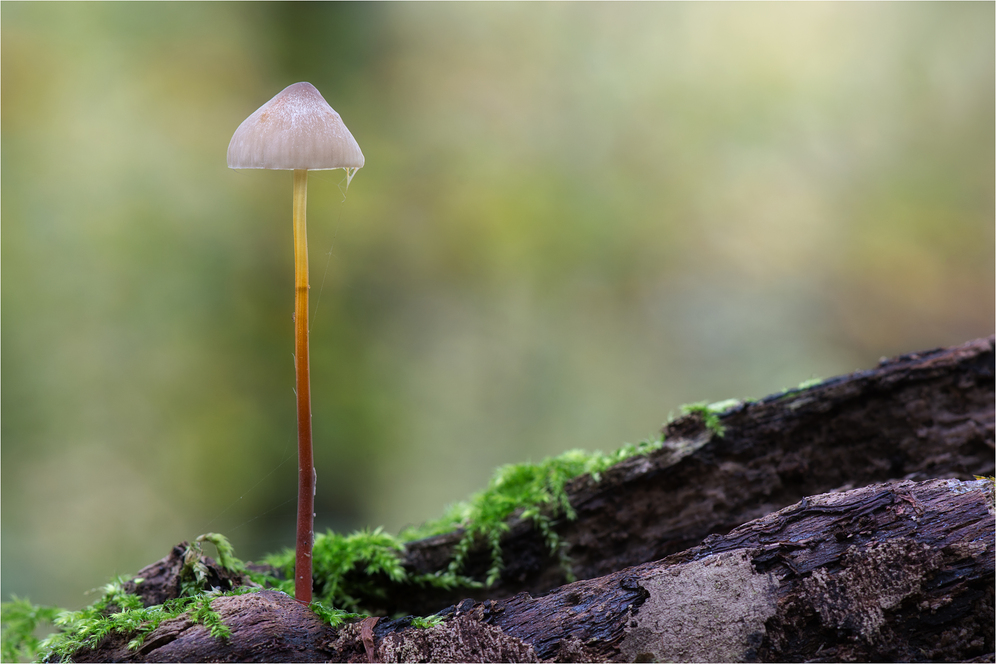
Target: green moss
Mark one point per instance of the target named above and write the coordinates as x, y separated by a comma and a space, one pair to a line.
119, 612
226, 552
194, 573
806, 384
203, 614
348, 569
332, 617
792, 391
710, 413
426, 622
21, 619
536, 491
351, 569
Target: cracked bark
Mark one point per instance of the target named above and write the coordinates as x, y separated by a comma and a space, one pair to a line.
918, 416
900, 571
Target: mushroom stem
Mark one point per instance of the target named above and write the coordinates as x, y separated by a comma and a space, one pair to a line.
305, 458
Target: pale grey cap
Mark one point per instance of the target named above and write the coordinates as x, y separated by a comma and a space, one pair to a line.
295, 129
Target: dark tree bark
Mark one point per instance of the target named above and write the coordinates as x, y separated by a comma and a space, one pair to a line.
919, 416
901, 571
893, 572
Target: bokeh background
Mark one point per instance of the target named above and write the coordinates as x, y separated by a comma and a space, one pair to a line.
573, 219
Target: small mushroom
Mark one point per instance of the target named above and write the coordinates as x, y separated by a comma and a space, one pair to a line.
297, 130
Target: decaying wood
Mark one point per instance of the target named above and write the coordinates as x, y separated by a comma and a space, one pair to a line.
902, 571
919, 416
160, 581
896, 571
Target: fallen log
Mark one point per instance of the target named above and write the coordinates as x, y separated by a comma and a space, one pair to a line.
918, 416
902, 571
807, 578
893, 572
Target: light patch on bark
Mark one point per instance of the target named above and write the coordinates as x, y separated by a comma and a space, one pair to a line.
710, 610
983, 485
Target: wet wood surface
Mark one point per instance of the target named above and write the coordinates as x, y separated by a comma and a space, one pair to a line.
835, 523
918, 416
902, 571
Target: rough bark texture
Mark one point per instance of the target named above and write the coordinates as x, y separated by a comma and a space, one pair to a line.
894, 572
918, 416
902, 571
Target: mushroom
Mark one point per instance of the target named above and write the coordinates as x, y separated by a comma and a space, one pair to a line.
297, 130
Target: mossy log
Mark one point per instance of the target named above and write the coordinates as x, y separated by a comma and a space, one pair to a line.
899, 568
918, 416
901, 571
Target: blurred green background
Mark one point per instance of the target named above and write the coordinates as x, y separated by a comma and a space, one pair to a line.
573, 218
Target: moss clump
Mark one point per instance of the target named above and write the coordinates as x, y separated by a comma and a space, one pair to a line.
710, 413
226, 552
350, 568
332, 617
347, 568
426, 622
536, 491
194, 573
806, 384
119, 612
20, 620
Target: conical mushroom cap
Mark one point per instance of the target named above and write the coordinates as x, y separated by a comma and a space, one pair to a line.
295, 129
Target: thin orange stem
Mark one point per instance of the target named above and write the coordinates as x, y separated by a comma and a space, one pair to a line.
305, 457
